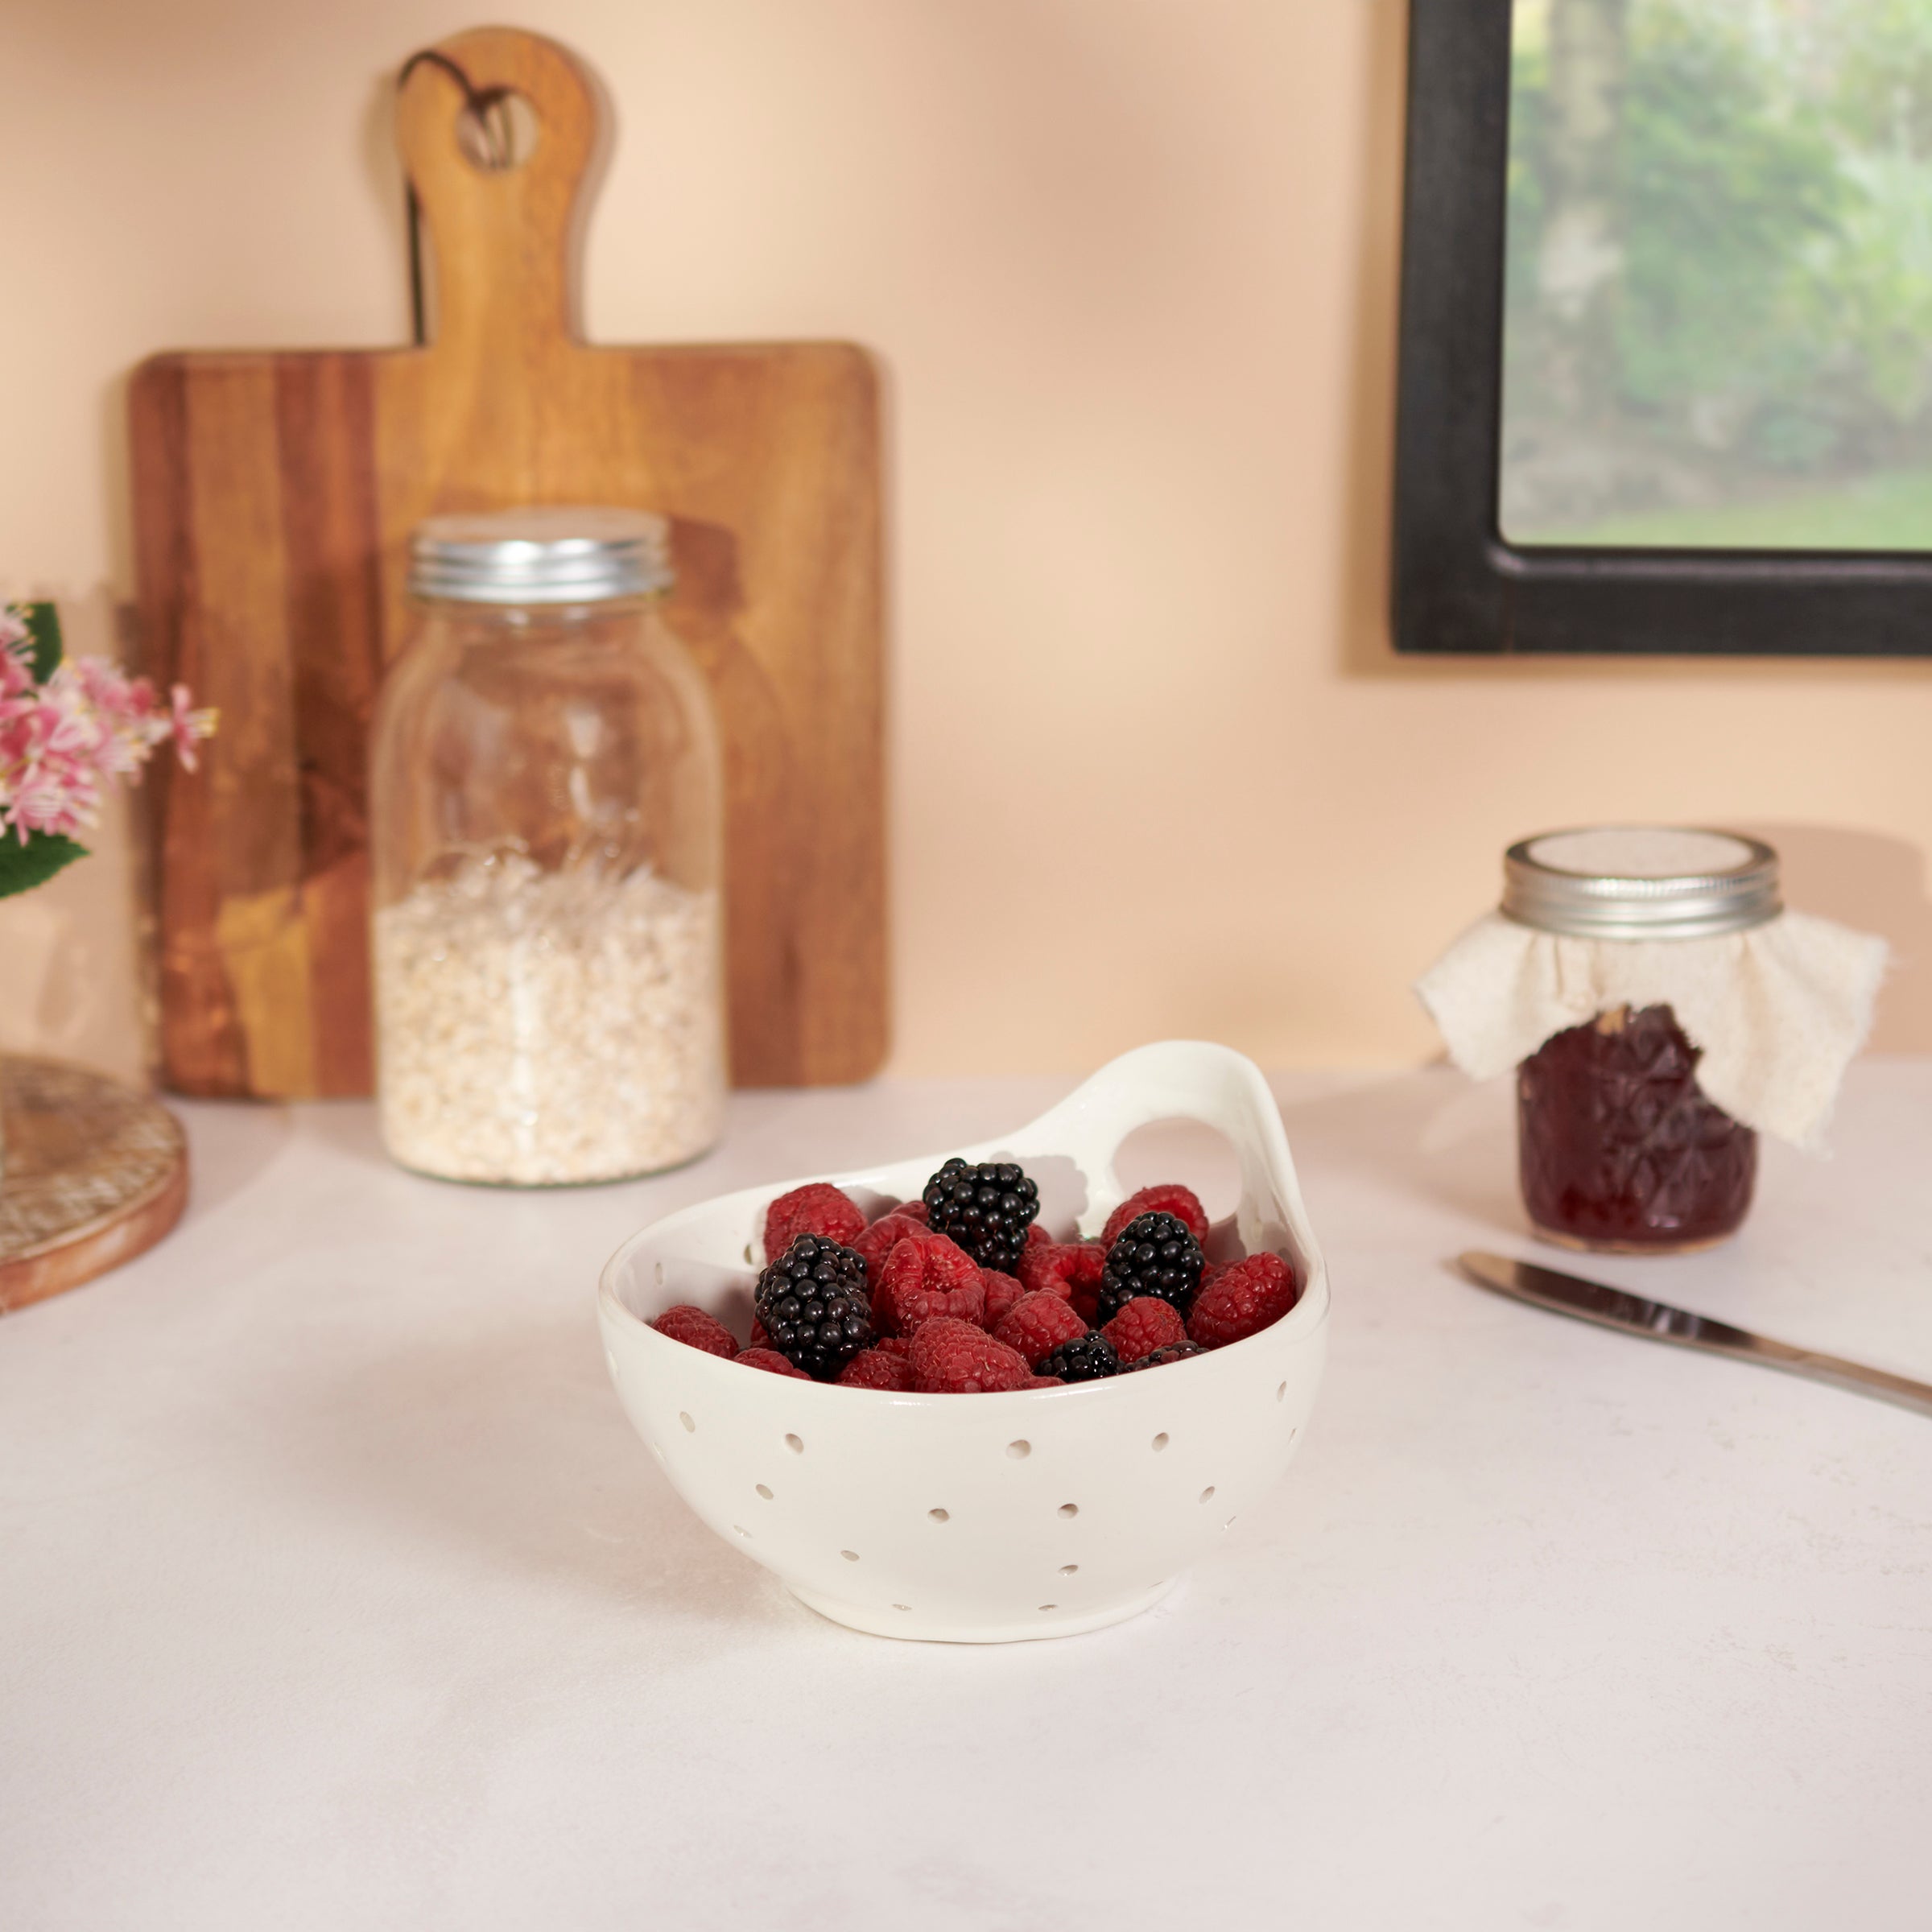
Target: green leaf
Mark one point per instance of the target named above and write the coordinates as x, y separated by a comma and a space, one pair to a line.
23, 867
44, 627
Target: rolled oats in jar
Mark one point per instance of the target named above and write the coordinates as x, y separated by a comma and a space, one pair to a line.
546, 838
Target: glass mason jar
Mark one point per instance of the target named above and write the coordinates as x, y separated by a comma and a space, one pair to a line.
546, 844
1618, 1148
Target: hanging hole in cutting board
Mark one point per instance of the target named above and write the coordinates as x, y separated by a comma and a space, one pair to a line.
497, 130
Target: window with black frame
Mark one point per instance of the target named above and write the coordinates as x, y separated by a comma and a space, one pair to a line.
1666, 376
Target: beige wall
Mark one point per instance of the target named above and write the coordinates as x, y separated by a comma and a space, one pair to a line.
1132, 265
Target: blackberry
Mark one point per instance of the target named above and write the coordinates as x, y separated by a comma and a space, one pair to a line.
1154, 1254
1085, 1359
813, 1304
1174, 1352
986, 1209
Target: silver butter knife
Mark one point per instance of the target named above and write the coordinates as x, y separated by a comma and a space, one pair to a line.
1613, 1308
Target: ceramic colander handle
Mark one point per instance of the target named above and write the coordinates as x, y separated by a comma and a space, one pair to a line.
1174, 1079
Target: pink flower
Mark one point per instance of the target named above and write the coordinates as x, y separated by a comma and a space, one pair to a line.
187, 726
89, 724
49, 769
122, 710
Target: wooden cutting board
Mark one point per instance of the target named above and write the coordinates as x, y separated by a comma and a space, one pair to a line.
275, 495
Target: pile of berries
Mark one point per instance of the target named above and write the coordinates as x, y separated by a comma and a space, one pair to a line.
962, 1291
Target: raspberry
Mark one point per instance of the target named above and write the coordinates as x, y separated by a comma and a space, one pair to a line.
1242, 1300
876, 1368
817, 1208
1062, 1268
698, 1330
1037, 1236
922, 1279
1145, 1324
952, 1357
1042, 1382
1154, 1254
813, 1303
759, 1338
1087, 1360
882, 1236
774, 1364
900, 1345
1037, 1324
1175, 1352
1070, 1268
986, 1209
1002, 1293
1182, 1203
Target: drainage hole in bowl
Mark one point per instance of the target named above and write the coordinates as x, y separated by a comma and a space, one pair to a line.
902, 1606
1018, 1449
1229, 1523
1280, 1392
851, 1556
1207, 1494
1050, 1606
610, 1359
1069, 1569
796, 1446
940, 1515
1070, 1508
1160, 1442
742, 1531
691, 1428
763, 1490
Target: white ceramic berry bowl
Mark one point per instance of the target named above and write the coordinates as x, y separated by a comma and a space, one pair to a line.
985, 1518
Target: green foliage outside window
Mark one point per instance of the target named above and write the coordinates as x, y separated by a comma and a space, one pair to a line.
1772, 185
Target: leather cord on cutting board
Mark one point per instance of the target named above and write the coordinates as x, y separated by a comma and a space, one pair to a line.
478, 102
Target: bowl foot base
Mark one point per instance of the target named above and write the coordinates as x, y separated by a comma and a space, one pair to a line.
919, 1629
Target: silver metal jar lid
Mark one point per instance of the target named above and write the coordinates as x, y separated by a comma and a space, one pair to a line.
549, 555
1640, 882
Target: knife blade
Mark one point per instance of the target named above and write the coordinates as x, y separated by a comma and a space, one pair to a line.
1660, 1321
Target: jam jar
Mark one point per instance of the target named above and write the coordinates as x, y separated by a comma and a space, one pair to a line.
1618, 1148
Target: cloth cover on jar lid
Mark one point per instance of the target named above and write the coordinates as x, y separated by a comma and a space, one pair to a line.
1779, 1002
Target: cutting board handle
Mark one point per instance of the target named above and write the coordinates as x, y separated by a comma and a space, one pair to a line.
505, 236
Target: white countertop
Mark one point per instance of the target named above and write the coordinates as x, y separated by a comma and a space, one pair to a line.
336, 1591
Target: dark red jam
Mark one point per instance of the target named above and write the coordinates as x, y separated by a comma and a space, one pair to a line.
1618, 1149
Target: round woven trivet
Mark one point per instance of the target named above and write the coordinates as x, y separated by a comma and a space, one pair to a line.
94, 1173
